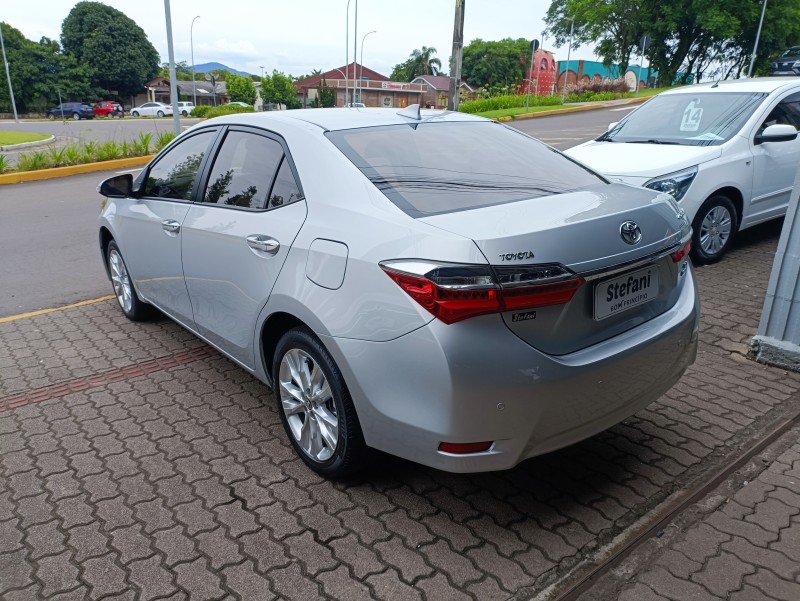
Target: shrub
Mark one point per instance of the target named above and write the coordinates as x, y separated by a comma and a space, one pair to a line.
508, 101
228, 109
88, 152
141, 145
200, 111
56, 156
593, 91
72, 154
3, 163
163, 139
32, 161
108, 151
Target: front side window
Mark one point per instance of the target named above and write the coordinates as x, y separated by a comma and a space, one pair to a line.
439, 167
786, 113
702, 119
243, 171
174, 174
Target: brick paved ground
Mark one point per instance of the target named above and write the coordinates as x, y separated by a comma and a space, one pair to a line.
169, 475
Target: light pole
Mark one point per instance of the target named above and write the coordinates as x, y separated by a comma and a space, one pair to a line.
262, 71
569, 53
355, 49
191, 46
8, 77
758, 35
346, 50
362, 67
173, 80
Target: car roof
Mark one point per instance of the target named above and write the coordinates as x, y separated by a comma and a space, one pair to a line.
757, 84
333, 119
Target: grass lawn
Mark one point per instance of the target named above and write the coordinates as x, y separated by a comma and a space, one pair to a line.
8, 138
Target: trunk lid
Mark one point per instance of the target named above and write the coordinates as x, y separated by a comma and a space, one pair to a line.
582, 231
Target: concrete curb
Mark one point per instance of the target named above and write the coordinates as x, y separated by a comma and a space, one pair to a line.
32, 176
572, 109
13, 147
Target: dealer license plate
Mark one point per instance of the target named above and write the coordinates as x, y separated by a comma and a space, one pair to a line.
619, 294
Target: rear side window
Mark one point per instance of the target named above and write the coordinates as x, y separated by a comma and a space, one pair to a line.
433, 168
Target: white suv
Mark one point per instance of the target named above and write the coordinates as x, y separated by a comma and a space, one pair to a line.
185, 108
726, 151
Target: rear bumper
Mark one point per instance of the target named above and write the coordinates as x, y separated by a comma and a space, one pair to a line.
476, 381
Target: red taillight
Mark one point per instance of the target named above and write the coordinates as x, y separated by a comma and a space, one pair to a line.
455, 292
682, 252
463, 448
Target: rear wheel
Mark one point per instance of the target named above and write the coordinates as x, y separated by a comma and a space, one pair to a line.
133, 308
160, 113
315, 406
714, 228
51, 116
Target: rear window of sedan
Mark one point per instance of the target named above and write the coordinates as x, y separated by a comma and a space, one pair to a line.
433, 168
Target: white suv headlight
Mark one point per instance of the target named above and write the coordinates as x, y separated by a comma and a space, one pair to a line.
676, 184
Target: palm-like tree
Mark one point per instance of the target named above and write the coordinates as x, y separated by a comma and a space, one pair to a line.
423, 63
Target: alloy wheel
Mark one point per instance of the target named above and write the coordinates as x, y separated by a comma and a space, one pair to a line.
715, 230
121, 281
308, 405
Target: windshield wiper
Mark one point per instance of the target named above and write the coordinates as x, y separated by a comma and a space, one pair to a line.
653, 141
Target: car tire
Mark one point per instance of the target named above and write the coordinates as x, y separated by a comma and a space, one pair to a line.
134, 113
76, 116
316, 408
714, 228
184, 113
51, 116
132, 306
160, 113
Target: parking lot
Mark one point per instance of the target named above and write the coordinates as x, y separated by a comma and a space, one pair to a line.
137, 462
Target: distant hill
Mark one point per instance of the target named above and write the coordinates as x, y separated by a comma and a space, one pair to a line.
206, 67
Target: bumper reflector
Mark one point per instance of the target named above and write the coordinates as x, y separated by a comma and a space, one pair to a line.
464, 448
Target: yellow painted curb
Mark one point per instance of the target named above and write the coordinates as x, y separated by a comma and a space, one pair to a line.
54, 309
571, 109
32, 176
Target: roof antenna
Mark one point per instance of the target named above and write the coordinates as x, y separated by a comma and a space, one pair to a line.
412, 111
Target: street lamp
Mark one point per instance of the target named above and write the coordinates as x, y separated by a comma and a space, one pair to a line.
262, 72
758, 35
8, 77
362, 65
569, 52
346, 49
191, 46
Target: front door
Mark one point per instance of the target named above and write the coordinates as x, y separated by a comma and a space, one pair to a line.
775, 163
236, 239
149, 229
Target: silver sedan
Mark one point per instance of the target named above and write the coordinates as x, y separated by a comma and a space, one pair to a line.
429, 284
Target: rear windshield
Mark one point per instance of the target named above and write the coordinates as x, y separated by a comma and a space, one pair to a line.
433, 168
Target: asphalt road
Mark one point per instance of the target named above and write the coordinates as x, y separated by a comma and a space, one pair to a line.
48, 230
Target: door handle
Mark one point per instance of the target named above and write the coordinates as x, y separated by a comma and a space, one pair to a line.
170, 226
264, 244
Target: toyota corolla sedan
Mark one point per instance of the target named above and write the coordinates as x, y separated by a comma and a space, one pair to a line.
727, 152
430, 284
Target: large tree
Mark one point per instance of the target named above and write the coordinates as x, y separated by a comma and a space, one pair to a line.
279, 88
41, 73
420, 62
502, 63
241, 88
114, 47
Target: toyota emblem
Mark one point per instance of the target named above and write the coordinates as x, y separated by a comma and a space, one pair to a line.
630, 232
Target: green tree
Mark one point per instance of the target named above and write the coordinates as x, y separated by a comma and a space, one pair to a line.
39, 71
183, 71
493, 64
420, 62
279, 88
116, 50
241, 89
327, 96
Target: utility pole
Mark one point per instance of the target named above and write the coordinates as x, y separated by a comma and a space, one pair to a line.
758, 36
534, 48
173, 83
355, 50
8, 77
455, 59
346, 50
191, 46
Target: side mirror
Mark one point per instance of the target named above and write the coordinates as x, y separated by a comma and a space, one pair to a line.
612, 125
777, 133
119, 186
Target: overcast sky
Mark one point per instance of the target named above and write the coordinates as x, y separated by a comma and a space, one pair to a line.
300, 35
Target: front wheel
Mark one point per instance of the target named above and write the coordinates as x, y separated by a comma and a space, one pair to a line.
134, 113
315, 406
133, 307
76, 116
714, 228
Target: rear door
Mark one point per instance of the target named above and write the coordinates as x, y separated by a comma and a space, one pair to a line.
236, 239
149, 229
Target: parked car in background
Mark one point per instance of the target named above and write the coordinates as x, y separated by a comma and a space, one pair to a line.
727, 152
237, 103
71, 110
185, 108
460, 294
788, 63
108, 108
152, 109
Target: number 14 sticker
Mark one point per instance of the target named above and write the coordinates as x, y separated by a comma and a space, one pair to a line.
691, 117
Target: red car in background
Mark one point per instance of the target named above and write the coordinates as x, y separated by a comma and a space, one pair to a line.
108, 108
